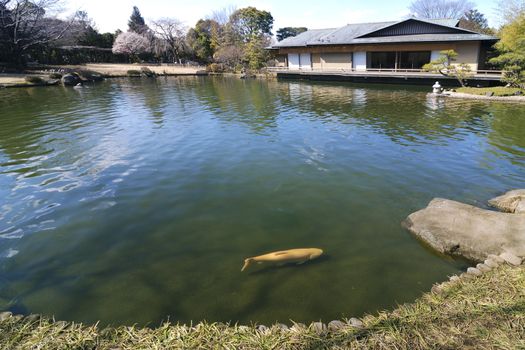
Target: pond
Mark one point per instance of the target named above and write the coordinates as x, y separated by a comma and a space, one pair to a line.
137, 200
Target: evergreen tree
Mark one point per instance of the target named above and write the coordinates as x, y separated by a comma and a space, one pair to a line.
203, 39
136, 22
255, 54
475, 21
249, 22
286, 32
250, 30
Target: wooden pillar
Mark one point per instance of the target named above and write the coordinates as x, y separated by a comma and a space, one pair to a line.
396, 65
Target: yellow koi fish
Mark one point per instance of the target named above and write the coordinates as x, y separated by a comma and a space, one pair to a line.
299, 256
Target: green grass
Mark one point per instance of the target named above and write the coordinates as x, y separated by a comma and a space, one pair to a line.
486, 312
497, 90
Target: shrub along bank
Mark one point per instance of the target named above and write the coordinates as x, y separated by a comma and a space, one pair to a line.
492, 91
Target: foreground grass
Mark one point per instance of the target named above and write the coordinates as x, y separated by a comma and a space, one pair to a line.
486, 312
497, 90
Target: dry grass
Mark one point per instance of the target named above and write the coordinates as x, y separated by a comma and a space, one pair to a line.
105, 70
23, 80
120, 70
12, 79
486, 312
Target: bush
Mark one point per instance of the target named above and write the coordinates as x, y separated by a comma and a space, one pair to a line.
55, 76
34, 79
215, 68
239, 68
133, 73
496, 91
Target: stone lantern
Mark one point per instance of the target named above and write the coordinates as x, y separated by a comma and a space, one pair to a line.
436, 88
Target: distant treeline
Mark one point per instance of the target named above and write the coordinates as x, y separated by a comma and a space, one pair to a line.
228, 39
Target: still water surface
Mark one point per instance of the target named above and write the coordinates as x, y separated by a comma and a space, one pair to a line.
137, 200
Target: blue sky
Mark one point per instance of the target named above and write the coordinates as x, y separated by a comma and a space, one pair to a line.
110, 15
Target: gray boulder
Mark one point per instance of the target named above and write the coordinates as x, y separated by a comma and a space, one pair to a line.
511, 202
459, 229
71, 79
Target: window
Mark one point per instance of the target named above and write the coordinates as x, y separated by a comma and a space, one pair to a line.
413, 59
399, 59
381, 60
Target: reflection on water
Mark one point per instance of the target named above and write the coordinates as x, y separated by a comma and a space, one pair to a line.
136, 200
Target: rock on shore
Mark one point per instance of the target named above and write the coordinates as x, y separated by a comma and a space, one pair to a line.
71, 79
455, 228
510, 202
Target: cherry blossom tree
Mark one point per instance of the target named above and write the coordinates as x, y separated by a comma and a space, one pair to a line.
132, 44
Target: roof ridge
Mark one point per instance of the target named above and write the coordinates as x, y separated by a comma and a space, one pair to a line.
319, 29
361, 23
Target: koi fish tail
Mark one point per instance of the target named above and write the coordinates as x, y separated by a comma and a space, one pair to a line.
247, 263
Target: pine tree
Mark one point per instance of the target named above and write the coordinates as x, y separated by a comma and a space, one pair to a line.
136, 22
475, 21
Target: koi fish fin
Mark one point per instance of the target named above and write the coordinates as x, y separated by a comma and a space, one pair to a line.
247, 263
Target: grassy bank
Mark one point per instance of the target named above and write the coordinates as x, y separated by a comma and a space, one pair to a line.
486, 312
496, 91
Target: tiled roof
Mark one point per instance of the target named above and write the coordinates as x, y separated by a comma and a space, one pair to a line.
353, 34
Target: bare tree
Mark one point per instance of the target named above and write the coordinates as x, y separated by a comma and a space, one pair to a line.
25, 24
433, 9
173, 33
222, 16
78, 25
131, 43
509, 10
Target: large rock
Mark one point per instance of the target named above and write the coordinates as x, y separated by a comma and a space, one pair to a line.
459, 229
510, 202
71, 79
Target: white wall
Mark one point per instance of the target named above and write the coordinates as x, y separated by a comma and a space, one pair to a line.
336, 60
359, 61
293, 61
306, 61
468, 52
434, 55
301, 61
